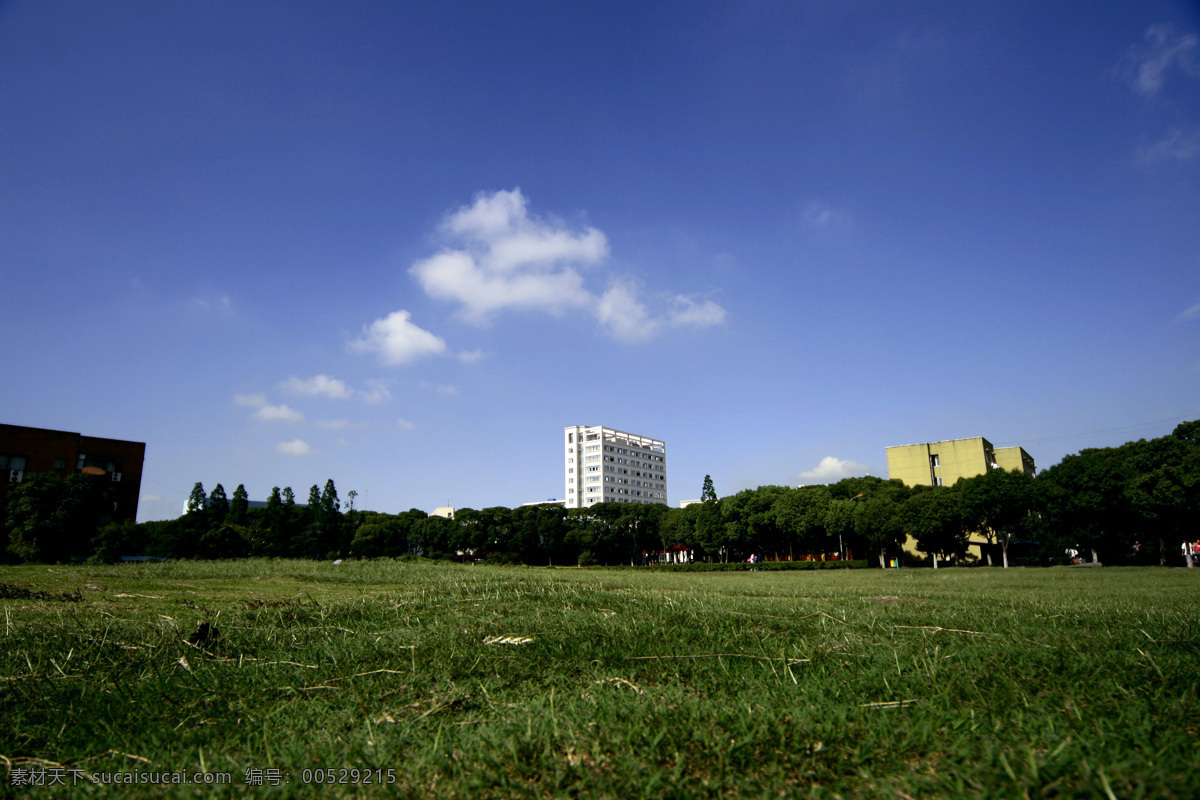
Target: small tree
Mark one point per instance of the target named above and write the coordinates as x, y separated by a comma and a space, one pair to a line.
707, 493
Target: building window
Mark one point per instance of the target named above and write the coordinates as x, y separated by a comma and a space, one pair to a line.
935, 460
937, 480
12, 468
111, 464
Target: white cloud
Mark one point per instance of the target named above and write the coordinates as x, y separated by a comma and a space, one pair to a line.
279, 412
396, 340
822, 215
1176, 145
457, 275
220, 305
1191, 313
251, 400
447, 389
501, 257
625, 319
378, 391
507, 258
832, 470
686, 311
1146, 66
470, 357
317, 385
295, 447
405, 425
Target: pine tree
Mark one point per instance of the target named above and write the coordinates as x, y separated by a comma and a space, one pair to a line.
274, 523
218, 505
283, 529
329, 500
197, 500
238, 505
708, 494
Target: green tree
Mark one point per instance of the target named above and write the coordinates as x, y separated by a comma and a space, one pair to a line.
239, 505
371, 540
707, 493
840, 518
877, 523
430, 536
218, 506
677, 527
1085, 503
1163, 489
197, 501
710, 531
998, 504
116, 539
800, 514
933, 517
226, 540
329, 499
334, 537
273, 524
52, 517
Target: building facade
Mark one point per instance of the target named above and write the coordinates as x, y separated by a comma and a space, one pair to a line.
603, 465
114, 463
944, 463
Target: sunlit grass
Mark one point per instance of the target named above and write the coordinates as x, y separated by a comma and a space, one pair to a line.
488, 681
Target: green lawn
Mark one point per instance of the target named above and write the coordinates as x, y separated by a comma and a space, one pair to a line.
496, 682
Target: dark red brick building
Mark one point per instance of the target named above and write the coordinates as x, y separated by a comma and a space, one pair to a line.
116, 463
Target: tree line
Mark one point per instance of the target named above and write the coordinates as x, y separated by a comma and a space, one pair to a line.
1137, 503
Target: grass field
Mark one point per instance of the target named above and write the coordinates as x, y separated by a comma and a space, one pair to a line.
455, 681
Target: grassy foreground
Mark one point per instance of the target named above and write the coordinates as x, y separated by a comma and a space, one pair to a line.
497, 682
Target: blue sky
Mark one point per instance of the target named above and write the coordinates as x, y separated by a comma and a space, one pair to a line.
402, 245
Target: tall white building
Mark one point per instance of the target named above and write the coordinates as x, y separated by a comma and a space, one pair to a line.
603, 465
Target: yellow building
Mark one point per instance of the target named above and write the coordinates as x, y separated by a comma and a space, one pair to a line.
944, 463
